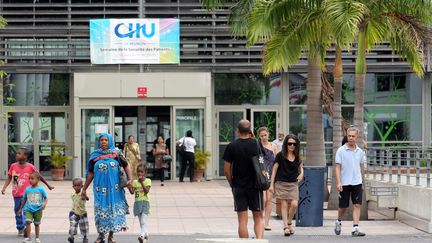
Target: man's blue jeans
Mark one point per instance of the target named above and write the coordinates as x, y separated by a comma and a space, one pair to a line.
20, 219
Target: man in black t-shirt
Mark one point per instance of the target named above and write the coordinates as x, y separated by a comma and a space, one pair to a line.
240, 174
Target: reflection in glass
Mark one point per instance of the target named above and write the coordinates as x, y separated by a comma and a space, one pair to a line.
247, 88
394, 123
385, 88
228, 121
36, 89
222, 148
94, 122
297, 88
298, 124
52, 127
20, 127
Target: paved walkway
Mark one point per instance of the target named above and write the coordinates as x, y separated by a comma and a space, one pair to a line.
187, 209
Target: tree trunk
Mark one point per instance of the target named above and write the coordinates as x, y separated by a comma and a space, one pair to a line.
360, 75
333, 202
315, 132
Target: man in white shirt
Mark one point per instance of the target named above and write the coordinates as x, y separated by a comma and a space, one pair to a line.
279, 140
350, 160
188, 155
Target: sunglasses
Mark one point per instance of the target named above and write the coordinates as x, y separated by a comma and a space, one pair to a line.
291, 144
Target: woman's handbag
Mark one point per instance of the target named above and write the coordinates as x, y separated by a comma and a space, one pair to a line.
182, 148
262, 175
167, 158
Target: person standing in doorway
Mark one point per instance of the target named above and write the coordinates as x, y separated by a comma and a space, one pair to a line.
240, 174
159, 150
350, 159
188, 156
287, 173
279, 140
269, 150
133, 154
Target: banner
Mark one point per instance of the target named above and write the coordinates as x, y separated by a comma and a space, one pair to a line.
134, 41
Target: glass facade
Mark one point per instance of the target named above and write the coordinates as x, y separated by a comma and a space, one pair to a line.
36, 90
247, 89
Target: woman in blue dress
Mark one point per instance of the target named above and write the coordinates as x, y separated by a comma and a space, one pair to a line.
110, 204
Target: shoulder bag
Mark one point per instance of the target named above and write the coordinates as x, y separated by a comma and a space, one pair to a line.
182, 148
261, 173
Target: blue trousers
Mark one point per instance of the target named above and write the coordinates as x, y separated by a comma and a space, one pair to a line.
19, 219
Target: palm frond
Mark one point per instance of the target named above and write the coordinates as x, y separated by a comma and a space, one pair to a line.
213, 4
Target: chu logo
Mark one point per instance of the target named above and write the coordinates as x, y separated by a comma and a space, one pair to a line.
135, 29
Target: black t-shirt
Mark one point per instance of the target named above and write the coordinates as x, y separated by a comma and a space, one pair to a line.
239, 153
288, 171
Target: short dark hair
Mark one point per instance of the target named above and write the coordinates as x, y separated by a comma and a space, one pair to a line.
244, 127
189, 133
25, 151
35, 173
77, 180
141, 166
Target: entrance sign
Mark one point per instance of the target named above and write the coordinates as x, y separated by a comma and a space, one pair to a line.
142, 92
134, 41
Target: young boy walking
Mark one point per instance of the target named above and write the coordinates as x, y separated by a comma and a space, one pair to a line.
78, 214
34, 202
19, 173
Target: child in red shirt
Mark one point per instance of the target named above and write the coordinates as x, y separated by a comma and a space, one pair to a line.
20, 172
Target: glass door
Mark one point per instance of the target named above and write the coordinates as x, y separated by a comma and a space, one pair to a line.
51, 136
20, 130
227, 121
188, 119
94, 121
266, 118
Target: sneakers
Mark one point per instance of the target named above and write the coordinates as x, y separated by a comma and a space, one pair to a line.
338, 227
21, 232
85, 240
27, 240
357, 233
142, 239
70, 239
37, 240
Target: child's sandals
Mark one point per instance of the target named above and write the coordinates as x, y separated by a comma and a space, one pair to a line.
100, 238
111, 239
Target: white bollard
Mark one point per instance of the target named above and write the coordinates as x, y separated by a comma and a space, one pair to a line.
230, 240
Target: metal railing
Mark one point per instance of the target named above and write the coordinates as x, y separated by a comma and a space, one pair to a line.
403, 165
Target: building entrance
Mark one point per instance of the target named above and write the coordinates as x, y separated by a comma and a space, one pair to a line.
145, 124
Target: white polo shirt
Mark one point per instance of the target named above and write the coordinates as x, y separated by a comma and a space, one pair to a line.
190, 144
350, 162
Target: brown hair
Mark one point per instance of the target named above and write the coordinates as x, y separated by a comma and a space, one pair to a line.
296, 150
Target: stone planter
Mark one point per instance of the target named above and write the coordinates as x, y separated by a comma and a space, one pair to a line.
198, 174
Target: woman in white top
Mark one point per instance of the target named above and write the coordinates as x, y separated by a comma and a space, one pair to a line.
188, 155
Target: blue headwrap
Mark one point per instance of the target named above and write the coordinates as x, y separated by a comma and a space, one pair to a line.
98, 152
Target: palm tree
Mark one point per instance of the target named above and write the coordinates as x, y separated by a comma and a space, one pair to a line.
403, 23
289, 28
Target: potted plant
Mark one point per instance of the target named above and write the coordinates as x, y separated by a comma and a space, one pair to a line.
58, 161
201, 161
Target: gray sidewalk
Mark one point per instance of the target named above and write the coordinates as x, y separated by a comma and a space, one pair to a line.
185, 211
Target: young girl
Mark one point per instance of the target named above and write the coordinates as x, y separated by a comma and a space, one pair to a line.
287, 173
269, 150
141, 188
35, 200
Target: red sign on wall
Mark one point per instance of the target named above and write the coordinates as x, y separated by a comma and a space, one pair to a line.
142, 92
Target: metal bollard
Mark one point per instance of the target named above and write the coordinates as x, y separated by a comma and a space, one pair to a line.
417, 168
399, 166
408, 170
374, 163
389, 164
382, 164
428, 166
